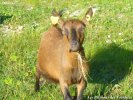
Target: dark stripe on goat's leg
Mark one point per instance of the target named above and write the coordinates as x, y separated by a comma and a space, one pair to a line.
65, 91
37, 84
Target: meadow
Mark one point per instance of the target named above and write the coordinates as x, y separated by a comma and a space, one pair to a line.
108, 47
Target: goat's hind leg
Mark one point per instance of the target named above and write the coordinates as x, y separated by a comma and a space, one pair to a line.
37, 84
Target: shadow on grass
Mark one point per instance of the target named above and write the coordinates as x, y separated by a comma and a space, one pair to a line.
3, 18
110, 64
108, 67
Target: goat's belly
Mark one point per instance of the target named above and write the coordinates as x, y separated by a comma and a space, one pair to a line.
51, 73
49, 65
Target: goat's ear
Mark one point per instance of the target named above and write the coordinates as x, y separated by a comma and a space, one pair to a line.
56, 18
88, 15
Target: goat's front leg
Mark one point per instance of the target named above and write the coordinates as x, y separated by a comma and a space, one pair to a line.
65, 90
80, 89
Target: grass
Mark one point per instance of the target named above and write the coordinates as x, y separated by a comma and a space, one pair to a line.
108, 47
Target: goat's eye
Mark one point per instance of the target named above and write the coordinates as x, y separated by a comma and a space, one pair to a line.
81, 29
66, 31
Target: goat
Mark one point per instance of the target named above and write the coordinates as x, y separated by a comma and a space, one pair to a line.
61, 57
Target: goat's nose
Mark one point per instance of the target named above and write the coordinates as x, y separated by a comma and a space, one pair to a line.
74, 46
74, 43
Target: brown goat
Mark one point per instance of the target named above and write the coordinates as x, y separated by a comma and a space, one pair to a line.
61, 56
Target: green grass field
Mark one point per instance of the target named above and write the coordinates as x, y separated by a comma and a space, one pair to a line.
108, 47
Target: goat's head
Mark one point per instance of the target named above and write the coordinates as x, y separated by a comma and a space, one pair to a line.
73, 29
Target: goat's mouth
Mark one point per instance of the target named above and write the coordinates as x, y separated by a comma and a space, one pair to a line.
74, 47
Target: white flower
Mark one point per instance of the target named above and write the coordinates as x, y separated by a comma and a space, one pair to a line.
114, 41
119, 33
29, 8
109, 36
108, 41
20, 28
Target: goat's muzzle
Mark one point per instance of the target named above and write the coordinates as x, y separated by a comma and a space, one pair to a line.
74, 46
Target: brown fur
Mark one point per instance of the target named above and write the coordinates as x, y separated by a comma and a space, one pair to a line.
57, 63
